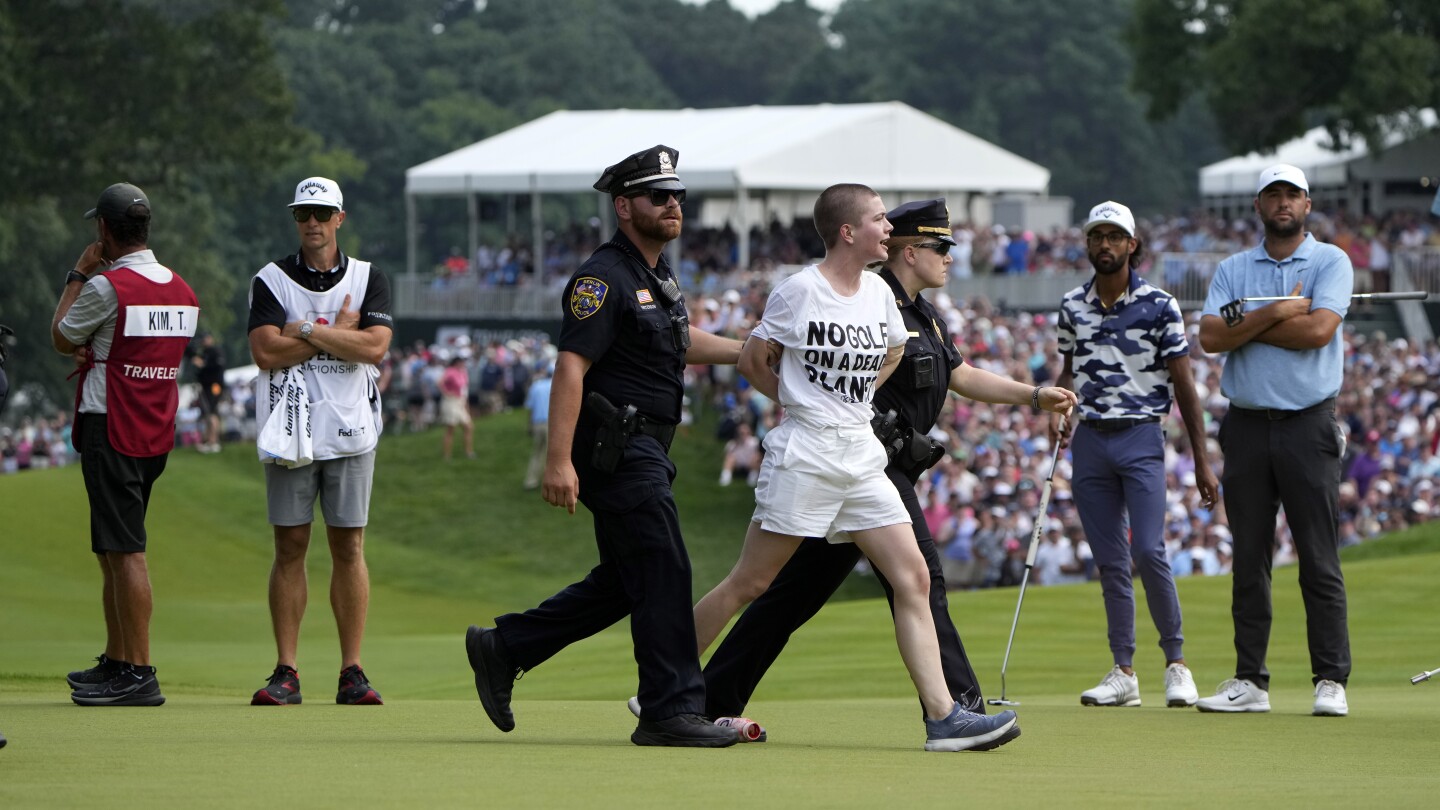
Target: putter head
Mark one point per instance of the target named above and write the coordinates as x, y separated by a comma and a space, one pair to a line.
1002, 702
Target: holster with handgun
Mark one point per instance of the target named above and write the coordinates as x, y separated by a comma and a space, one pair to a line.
612, 432
907, 449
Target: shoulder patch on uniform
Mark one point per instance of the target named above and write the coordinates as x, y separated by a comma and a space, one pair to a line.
588, 296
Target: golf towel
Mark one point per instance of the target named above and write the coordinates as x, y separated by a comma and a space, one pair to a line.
285, 437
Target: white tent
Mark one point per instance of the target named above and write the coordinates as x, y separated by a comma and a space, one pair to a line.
732, 152
1347, 178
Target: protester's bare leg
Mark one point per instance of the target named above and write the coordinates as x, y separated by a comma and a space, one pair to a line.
761, 558
349, 589
445, 443
893, 550
469, 440
114, 640
288, 589
133, 605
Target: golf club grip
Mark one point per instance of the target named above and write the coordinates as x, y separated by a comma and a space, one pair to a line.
1039, 524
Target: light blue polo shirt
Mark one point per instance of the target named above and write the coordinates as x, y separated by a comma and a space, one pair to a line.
1258, 375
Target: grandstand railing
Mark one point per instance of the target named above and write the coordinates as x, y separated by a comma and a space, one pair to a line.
1184, 275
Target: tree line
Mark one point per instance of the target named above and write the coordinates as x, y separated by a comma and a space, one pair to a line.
218, 108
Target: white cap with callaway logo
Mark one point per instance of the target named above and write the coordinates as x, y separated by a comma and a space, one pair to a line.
321, 191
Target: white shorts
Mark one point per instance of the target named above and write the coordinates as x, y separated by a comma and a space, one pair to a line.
817, 481
454, 411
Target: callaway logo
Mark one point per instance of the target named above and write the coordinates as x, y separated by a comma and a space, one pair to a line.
313, 188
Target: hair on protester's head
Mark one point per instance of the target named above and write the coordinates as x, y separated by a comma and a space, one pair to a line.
839, 205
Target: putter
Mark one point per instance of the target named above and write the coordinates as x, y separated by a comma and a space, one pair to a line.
1424, 676
1234, 313
1029, 564
1408, 295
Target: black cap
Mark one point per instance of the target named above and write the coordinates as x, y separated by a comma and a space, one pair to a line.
652, 168
115, 203
922, 218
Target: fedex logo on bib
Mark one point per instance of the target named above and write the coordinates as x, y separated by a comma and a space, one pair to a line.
845, 358
161, 321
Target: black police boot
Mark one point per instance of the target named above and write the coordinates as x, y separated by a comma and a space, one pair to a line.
684, 731
494, 674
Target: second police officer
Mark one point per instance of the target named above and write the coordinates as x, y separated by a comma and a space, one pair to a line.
615, 401
931, 367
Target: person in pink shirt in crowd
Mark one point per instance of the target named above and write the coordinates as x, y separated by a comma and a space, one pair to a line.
454, 409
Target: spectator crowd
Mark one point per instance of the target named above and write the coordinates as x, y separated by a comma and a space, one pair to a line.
980, 500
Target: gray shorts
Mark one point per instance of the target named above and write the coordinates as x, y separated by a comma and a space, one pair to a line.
343, 485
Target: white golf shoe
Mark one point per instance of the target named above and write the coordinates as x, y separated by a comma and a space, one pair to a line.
1179, 686
1236, 695
1330, 700
1115, 689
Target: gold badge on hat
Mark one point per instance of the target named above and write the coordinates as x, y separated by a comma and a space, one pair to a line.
666, 166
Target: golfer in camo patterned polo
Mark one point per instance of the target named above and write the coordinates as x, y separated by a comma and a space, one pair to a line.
1123, 344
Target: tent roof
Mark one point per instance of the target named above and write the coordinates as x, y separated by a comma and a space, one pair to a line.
888, 146
1323, 166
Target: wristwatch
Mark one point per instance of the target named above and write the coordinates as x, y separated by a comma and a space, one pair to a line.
305, 329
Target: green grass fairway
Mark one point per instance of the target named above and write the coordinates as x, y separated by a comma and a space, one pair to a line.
455, 544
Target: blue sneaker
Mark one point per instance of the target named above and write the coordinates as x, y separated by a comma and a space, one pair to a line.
963, 730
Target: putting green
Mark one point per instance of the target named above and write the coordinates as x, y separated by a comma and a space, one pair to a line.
456, 544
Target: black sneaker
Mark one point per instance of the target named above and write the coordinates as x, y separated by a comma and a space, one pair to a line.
105, 668
283, 689
355, 689
133, 686
494, 674
684, 731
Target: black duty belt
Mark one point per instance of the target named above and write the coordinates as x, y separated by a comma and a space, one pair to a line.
659, 431
1116, 425
1276, 414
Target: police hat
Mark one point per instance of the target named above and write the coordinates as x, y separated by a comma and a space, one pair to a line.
922, 218
652, 168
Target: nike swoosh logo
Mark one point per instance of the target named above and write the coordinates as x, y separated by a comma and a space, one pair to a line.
1232, 698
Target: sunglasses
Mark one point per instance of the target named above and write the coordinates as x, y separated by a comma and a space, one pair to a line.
660, 197
304, 212
939, 247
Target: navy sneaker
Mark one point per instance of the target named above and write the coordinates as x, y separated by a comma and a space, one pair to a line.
963, 730
494, 674
283, 688
355, 688
133, 686
105, 668
684, 731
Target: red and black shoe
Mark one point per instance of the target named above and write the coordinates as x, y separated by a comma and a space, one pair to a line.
283, 689
355, 688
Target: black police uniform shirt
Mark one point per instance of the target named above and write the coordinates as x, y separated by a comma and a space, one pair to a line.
916, 404
266, 309
613, 318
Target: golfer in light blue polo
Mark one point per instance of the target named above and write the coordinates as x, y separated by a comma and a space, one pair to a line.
1123, 343
1284, 362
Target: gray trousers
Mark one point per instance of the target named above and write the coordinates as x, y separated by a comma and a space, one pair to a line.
1272, 459
1118, 474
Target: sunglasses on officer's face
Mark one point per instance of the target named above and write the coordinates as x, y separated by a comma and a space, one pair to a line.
938, 247
660, 197
304, 212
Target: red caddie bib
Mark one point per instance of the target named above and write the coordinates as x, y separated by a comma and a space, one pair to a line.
154, 325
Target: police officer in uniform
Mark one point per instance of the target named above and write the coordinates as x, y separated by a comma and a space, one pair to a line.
614, 404
915, 392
